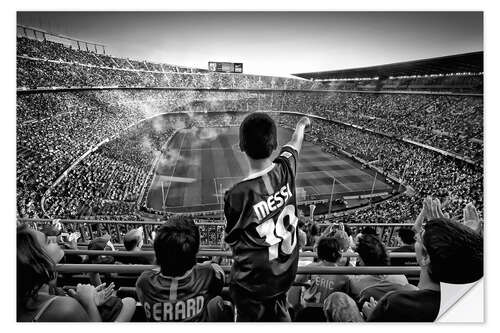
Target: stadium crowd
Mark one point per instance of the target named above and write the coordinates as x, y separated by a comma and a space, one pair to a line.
441, 246
89, 154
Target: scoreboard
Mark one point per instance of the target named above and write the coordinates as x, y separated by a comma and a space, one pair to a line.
225, 67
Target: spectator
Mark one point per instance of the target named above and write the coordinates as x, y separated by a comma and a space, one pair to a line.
181, 290
264, 265
36, 259
133, 241
406, 242
442, 247
329, 255
102, 243
372, 253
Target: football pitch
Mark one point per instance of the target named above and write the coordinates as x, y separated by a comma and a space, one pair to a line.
201, 163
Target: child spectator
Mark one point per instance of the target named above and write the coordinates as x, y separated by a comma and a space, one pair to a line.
261, 216
36, 259
181, 290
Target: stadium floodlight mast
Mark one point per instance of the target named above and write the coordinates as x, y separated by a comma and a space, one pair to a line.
221, 203
162, 197
373, 186
331, 197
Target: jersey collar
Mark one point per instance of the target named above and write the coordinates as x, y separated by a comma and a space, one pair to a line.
260, 173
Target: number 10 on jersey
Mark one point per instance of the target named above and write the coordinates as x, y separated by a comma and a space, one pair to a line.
281, 233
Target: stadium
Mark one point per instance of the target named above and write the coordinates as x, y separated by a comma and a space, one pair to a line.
106, 145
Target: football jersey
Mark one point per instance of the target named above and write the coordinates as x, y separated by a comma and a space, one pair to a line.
322, 286
183, 298
261, 228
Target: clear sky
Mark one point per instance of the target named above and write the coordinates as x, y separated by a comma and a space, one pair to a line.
271, 43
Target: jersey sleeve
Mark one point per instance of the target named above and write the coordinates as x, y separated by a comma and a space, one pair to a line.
139, 284
290, 156
232, 209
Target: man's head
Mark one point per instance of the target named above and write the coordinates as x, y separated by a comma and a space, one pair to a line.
407, 236
450, 252
371, 251
369, 231
329, 249
102, 243
258, 136
176, 244
133, 239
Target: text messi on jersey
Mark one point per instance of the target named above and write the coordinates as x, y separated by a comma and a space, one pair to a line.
273, 202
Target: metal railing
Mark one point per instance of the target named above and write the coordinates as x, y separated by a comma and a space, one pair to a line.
348, 270
210, 253
210, 232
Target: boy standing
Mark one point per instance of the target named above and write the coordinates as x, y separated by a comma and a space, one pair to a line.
261, 216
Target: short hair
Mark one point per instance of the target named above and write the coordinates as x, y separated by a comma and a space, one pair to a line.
339, 307
348, 230
407, 235
132, 239
258, 136
314, 230
176, 244
34, 265
372, 251
369, 231
455, 252
329, 249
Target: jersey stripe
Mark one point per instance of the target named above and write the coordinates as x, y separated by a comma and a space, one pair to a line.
267, 184
173, 290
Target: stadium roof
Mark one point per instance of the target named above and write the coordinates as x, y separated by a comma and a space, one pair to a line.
458, 63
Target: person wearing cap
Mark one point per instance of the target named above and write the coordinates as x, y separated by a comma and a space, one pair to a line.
133, 242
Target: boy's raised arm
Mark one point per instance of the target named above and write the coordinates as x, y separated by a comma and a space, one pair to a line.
298, 134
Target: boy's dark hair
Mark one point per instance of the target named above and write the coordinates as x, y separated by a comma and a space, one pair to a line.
455, 251
369, 231
34, 266
407, 235
258, 135
372, 251
329, 249
176, 244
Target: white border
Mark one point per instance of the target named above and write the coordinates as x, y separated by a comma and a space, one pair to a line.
8, 18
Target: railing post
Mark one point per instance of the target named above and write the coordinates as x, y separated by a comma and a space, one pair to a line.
118, 235
82, 232
389, 242
99, 231
91, 236
108, 229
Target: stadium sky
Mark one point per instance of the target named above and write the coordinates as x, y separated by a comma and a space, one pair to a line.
271, 43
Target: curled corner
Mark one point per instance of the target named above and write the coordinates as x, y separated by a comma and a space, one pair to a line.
451, 294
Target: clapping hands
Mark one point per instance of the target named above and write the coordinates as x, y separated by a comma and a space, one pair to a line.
88, 294
432, 209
